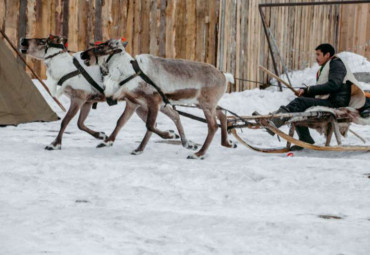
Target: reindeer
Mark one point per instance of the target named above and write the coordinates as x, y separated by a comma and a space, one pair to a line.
53, 51
179, 81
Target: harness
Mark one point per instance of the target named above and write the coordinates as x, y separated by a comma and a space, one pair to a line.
139, 72
54, 45
82, 71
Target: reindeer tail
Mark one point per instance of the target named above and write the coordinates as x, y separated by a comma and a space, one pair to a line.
229, 77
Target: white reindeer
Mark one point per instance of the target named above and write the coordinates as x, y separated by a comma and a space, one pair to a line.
181, 81
59, 62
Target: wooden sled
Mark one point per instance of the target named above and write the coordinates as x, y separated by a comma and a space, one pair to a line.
327, 121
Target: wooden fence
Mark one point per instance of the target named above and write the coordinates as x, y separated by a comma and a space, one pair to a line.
225, 33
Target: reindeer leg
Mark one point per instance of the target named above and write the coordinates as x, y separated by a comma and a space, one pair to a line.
175, 117
212, 128
126, 115
142, 113
84, 112
151, 123
224, 140
76, 104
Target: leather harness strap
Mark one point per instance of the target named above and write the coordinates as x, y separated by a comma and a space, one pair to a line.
80, 70
87, 76
139, 72
68, 76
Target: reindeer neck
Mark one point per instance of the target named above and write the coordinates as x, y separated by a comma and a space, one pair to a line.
59, 65
53, 54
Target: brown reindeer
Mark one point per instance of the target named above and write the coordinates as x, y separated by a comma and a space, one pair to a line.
179, 81
59, 62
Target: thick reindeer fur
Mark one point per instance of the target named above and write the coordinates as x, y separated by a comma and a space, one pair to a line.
182, 81
77, 88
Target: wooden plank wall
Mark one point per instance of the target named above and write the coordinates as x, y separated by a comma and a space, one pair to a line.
225, 33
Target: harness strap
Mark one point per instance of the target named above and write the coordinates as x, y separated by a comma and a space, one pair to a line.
193, 117
87, 76
111, 55
128, 79
56, 54
68, 76
139, 72
54, 45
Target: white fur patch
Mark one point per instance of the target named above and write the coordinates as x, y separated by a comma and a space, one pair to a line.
61, 65
111, 86
229, 78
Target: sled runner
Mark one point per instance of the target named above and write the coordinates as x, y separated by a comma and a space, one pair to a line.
326, 121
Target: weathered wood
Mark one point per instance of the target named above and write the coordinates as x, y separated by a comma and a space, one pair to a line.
225, 33
98, 36
22, 25
162, 29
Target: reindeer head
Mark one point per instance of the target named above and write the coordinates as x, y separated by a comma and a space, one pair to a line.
103, 49
38, 47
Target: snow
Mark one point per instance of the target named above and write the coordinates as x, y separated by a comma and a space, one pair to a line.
83, 200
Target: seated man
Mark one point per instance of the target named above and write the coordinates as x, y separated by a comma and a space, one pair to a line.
333, 89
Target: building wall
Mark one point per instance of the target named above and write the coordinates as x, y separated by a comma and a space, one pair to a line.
225, 33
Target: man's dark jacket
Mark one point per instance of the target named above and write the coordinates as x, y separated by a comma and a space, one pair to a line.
340, 92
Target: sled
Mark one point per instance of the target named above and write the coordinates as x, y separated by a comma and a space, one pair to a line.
325, 120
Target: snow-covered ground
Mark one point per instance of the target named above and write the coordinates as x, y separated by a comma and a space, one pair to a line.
83, 200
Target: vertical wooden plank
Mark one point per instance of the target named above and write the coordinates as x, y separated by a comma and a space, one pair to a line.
98, 33
123, 11
107, 20
12, 14
200, 38
361, 26
91, 23
115, 11
58, 12
162, 29
213, 12
190, 29
170, 29
367, 44
137, 28
129, 26
73, 25
22, 24
3, 8
31, 32
230, 67
154, 21
180, 26
243, 60
145, 38
82, 38
238, 46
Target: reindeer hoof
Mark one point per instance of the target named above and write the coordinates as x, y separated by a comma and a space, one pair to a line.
105, 144
230, 144
136, 152
173, 135
233, 144
195, 156
190, 145
102, 136
52, 147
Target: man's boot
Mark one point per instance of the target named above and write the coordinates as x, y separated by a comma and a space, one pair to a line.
304, 136
277, 122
